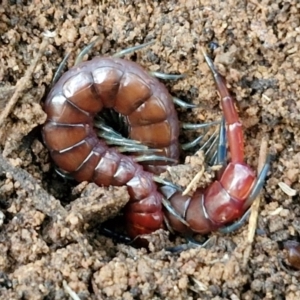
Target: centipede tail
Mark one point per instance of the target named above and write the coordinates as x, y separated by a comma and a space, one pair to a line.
227, 198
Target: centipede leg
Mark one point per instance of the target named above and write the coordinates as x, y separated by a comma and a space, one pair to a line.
132, 49
121, 53
60, 69
259, 182
153, 157
176, 100
213, 157
197, 140
209, 148
113, 137
236, 225
79, 59
85, 51
194, 143
166, 76
222, 150
123, 144
167, 183
183, 104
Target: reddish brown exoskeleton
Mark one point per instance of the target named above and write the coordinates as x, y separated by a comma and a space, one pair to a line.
148, 112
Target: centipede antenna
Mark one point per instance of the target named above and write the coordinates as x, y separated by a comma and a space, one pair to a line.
222, 150
60, 68
259, 182
198, 126
171, 210
167, 183
85, 51
165, 76
143, 158
236, 225
182, 103
132, 49
193, 143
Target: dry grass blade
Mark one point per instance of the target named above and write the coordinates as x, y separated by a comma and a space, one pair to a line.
71, 293
255, 206
196, 179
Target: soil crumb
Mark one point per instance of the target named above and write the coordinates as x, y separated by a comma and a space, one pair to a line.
50, 243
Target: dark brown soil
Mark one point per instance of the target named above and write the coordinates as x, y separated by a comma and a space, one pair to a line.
50, 248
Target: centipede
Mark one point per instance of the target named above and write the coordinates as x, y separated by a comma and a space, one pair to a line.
148, 112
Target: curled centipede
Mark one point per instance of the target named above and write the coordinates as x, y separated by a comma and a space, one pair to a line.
147, 109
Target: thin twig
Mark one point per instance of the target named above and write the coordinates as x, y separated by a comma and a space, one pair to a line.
256, 204
71, 293
193, 181
21, 85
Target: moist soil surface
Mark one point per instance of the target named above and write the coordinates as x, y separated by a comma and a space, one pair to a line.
51, 242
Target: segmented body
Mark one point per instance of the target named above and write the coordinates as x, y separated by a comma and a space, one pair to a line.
227, 198
148, 110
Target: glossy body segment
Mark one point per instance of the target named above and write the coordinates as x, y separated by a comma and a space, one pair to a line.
150, 116
227, 198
